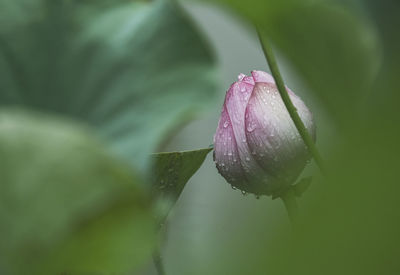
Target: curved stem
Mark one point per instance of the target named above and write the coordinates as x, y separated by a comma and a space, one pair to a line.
289, 199
273, 65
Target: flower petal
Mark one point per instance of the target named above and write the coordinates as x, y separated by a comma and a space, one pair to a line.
241, 76
272, 135
235, 103
260, 76
247, 79
226, 155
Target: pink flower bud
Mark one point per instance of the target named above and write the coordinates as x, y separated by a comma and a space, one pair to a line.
257, 147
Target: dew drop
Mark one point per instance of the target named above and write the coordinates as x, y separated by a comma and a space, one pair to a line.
229, 153
244, 193
241, 76
264, 99
233, 187
251, 127
244, 140
247, 158
162, 185
243, 89
226, 123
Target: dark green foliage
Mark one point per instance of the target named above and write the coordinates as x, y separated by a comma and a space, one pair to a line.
65, 203
172, 170
133, 70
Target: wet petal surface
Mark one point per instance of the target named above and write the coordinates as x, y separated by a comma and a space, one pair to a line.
226, 155
279, 148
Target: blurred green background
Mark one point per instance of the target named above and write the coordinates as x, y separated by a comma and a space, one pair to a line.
88, 90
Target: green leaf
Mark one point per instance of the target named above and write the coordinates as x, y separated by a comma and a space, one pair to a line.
172, 171
65, 203
132, 70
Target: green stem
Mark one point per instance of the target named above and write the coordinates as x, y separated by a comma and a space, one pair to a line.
273, 65
289, 199
158, 263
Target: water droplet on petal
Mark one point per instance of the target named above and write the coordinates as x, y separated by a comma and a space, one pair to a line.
251, 127
247, 158
229, 153
226, 123
241, 76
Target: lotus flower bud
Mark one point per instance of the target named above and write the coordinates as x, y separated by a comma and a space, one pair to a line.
257, 147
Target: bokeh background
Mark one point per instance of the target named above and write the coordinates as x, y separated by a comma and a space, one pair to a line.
90, 92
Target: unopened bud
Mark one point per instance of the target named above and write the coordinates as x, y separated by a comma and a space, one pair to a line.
257, 147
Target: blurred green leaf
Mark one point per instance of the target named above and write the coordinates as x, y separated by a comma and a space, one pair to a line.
333, 48
133, 70
350, 225
65, 203
172, 171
